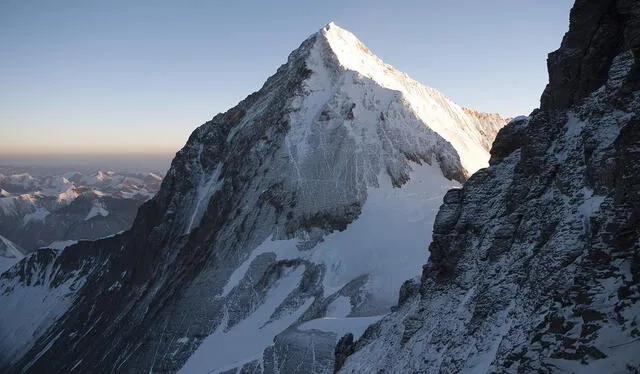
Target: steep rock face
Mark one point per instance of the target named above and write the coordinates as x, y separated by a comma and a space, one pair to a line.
599, 31
535, 262
313, 197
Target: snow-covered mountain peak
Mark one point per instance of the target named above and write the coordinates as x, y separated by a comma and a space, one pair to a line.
470, 133
352, 54
10, 253
312, 198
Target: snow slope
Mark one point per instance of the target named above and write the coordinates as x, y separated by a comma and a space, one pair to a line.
39, 305
10, 254
387, 242
230, 347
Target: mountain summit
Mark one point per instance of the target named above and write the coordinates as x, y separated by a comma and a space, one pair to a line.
283, 223
470, 136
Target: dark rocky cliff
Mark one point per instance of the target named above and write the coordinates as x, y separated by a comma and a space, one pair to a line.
598, 32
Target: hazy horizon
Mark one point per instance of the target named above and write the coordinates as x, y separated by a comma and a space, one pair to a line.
158, 162
116, 78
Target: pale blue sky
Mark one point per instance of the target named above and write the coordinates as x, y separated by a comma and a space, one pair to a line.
120, 76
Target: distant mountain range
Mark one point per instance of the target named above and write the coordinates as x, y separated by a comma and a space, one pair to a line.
51, 208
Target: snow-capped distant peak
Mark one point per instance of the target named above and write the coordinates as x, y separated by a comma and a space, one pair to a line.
10, 249
10, 253
102, 176
155, 176
98, 209
352, 53
68, 195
